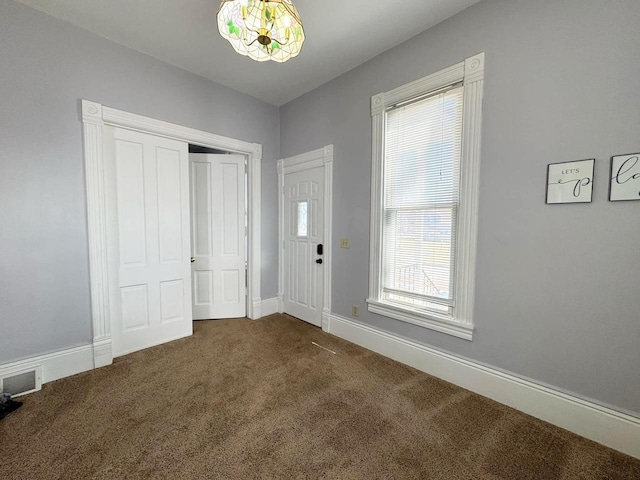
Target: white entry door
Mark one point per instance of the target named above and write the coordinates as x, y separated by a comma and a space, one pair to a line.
147, 194
304, 244
218, 236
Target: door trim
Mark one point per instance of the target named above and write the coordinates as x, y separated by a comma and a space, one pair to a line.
94, 117
323, 157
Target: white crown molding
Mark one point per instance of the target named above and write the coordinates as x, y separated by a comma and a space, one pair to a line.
94, 117
603, 425
322, 157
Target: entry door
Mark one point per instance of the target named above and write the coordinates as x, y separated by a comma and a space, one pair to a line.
303, 234
218, 236
147, 193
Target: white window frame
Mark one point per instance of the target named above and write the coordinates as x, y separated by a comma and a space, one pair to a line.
460, 324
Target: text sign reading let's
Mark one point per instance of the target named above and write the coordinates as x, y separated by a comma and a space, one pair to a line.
570, 182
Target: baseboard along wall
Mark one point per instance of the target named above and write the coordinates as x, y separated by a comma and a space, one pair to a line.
68, 362
269, 306
587, 419
56, 365
590, 420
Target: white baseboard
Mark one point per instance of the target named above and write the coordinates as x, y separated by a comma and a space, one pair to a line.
326, 319
102, 353
280, 300
595, 422
55, 365
269, 306
256, 307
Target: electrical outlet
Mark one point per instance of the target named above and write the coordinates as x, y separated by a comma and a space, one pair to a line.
344, 243
355, 311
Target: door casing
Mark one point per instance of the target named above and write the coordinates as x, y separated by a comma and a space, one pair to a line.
322, 157
94, 117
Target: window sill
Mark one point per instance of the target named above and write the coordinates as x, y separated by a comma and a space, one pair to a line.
439, 323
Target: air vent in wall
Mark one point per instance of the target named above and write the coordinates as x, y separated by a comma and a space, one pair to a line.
22, 382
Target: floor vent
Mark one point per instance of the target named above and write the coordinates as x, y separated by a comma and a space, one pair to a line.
22, 382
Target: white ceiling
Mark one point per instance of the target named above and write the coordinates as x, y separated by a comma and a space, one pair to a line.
341, 34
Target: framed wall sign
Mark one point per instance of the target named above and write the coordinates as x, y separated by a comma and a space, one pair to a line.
570, 182
625, 177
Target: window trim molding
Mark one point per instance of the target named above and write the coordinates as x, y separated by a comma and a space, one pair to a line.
471, 73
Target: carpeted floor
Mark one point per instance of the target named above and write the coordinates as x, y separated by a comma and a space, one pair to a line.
244, 399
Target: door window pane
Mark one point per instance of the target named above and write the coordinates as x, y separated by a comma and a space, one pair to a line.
302, 219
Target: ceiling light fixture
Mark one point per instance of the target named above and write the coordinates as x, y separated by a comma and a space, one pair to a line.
262, 29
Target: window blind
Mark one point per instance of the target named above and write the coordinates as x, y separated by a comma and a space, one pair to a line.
421, 196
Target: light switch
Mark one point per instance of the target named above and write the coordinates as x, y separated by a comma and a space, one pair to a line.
344, 243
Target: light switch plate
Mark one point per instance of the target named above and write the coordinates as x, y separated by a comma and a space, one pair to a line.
344, 243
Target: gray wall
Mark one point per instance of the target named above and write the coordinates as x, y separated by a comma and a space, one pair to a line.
557, 287
46, 67
558, 295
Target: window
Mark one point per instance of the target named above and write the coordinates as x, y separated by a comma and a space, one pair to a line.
302, 219
424, 207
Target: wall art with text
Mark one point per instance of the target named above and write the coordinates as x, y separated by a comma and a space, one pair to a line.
625, 177
570, 182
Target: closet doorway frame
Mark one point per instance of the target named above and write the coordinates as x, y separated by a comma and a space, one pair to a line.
95, 117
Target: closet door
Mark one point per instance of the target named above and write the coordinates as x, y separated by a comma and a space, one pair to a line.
148, 231
218, 236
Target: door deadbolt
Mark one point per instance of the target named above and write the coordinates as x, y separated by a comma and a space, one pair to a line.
319, 260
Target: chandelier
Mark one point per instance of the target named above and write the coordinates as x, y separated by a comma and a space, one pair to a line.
262, 29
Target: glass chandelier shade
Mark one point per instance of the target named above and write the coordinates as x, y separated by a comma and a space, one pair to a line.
262, 29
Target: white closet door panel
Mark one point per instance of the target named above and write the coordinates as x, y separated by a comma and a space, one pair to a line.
147, 191
131, 198
169, 205
218, 232
203, 287
201, 208
135, 307
172, 301
231, 200
230, 279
